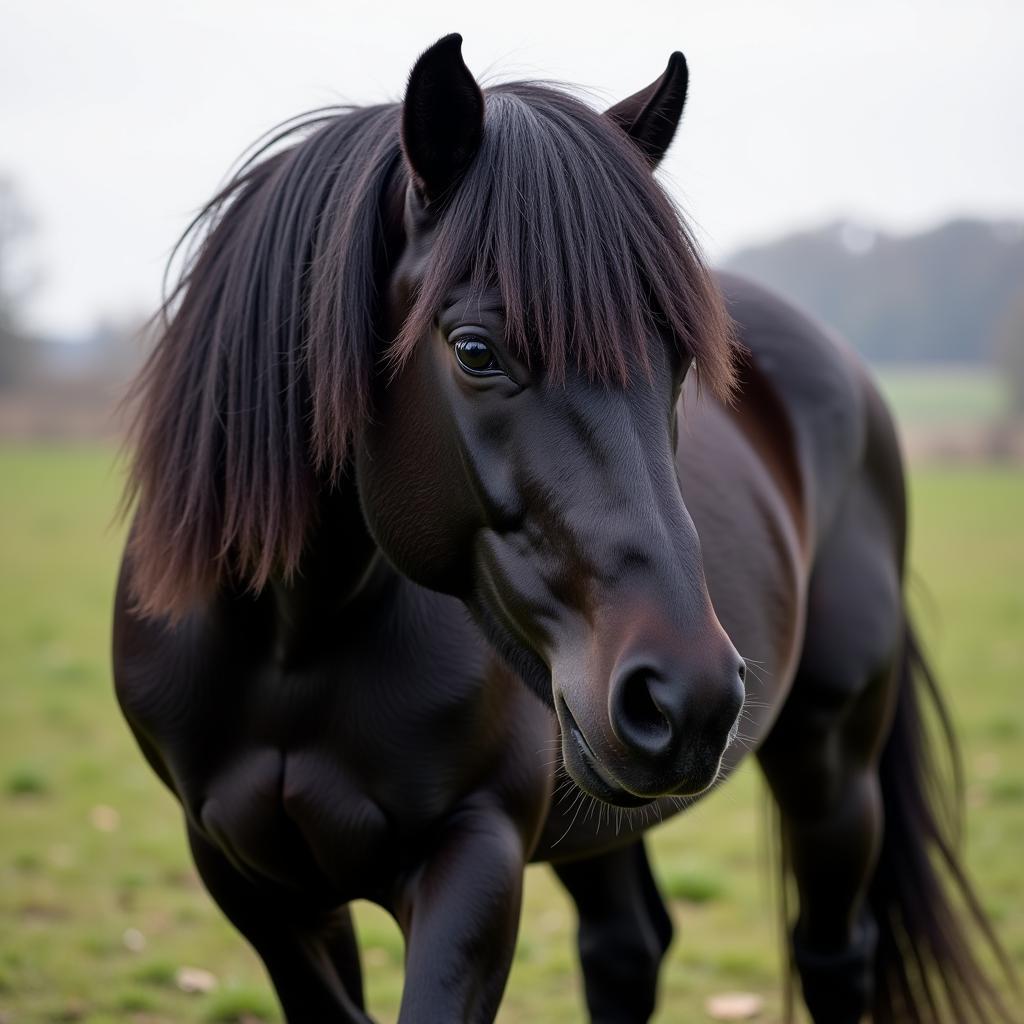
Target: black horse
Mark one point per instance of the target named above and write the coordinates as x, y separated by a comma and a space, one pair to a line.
410, 454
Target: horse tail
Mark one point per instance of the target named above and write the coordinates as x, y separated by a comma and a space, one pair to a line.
926, 967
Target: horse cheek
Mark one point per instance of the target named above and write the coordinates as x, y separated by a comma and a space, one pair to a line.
408, 477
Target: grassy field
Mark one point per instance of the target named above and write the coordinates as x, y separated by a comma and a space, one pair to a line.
936, 395
99, 907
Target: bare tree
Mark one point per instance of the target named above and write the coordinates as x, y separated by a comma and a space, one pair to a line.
1010, 349
15, 226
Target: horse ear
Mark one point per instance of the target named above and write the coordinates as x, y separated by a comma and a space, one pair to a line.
651, 116
442, 118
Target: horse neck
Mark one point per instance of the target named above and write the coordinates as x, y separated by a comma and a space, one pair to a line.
341, 566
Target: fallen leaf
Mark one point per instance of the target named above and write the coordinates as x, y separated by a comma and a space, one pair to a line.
734, 1006
61, 856
551, 922
104, 818
195, 980
376, 957
986, 765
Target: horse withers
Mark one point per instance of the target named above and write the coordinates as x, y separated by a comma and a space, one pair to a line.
466, 499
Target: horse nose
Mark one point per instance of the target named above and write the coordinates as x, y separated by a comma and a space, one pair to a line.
663, 715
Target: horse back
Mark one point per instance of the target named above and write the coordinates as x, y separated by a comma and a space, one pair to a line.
829, 427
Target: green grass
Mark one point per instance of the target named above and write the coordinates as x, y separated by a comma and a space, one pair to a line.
95, 923
942, 395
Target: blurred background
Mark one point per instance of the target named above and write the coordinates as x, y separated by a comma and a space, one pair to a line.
866, 160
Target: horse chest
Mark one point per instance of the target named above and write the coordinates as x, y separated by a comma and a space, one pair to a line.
295, 819
324, 785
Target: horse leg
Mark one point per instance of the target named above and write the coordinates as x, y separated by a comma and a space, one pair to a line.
297, 959
831, 819
343, 949
821, 762
624, 932
459, 912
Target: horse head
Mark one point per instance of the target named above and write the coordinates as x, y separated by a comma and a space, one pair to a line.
547, 308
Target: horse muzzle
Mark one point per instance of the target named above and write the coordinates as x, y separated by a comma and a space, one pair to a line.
658, 728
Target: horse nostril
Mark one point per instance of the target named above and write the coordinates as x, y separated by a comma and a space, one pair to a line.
637, 718
743, 671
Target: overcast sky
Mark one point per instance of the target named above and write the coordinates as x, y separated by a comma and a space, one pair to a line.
119, 117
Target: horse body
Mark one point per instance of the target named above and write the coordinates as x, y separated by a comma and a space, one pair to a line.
356, 724
284, 724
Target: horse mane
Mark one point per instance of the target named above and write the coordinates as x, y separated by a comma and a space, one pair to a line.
261, 377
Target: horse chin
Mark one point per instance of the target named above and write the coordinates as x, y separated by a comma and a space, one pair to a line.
690, 790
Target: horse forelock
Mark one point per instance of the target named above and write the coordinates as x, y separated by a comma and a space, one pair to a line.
560, 212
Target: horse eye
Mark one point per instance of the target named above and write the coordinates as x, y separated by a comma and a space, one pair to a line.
475, 356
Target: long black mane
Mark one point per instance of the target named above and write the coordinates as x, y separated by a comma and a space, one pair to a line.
263, 371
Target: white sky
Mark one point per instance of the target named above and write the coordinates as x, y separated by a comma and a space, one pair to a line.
119, 117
